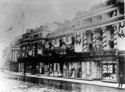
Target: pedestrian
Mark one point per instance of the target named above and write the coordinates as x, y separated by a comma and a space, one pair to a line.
120, 79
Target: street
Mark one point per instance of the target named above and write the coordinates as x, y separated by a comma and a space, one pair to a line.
19, 84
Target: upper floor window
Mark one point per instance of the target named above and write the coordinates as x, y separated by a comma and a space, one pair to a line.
113, 13
83, 21
78, 23
40, 35
35, 36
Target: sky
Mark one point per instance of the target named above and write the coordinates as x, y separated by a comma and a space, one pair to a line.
36, 12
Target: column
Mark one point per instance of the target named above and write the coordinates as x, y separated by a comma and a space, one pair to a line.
115, 29
104, 38
84, 42
13, 55
94, 40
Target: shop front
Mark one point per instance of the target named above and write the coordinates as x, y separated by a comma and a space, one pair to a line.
91, 70
110, 70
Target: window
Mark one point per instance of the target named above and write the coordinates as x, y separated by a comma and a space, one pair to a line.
111, 44
78, 23
109, 70
83, 22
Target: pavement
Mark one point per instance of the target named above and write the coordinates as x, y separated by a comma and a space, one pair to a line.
91, 82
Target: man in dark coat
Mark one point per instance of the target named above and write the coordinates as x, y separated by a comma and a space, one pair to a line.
120, 79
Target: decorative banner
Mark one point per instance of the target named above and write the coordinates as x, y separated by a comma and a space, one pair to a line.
56, 42
47, 45
121, 36
78, 38
79, 42
121, 32
67, 40
40, 45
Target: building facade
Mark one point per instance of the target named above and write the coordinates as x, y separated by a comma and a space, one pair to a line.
93, 49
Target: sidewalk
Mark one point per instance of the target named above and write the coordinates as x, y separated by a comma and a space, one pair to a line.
93, 82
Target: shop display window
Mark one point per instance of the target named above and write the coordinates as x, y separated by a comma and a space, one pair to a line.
109, 70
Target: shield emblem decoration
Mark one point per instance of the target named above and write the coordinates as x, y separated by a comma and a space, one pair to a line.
67, 40
56, 43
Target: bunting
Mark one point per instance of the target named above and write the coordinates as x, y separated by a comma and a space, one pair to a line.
121, 32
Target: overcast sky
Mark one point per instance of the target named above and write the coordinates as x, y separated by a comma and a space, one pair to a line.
36, 12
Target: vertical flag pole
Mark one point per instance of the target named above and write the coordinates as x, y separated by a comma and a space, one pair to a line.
23, 23
124, 9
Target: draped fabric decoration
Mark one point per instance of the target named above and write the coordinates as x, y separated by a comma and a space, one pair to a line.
94, 40
40, 47
62, 50
121, 36
27, 48
47, 45
33, 49
115, 29
121, 32
104, 39
30, 49
23, 49
78, 42
84, 42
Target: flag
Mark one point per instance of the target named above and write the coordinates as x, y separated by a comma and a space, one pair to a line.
21, 17
9, 29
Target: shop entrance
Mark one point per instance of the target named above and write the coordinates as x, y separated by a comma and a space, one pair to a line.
122, 68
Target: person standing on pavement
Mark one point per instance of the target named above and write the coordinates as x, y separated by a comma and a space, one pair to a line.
120, 79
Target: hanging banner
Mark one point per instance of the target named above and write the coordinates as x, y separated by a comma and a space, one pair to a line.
121, 36
99, 42
78, 42
40, 45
